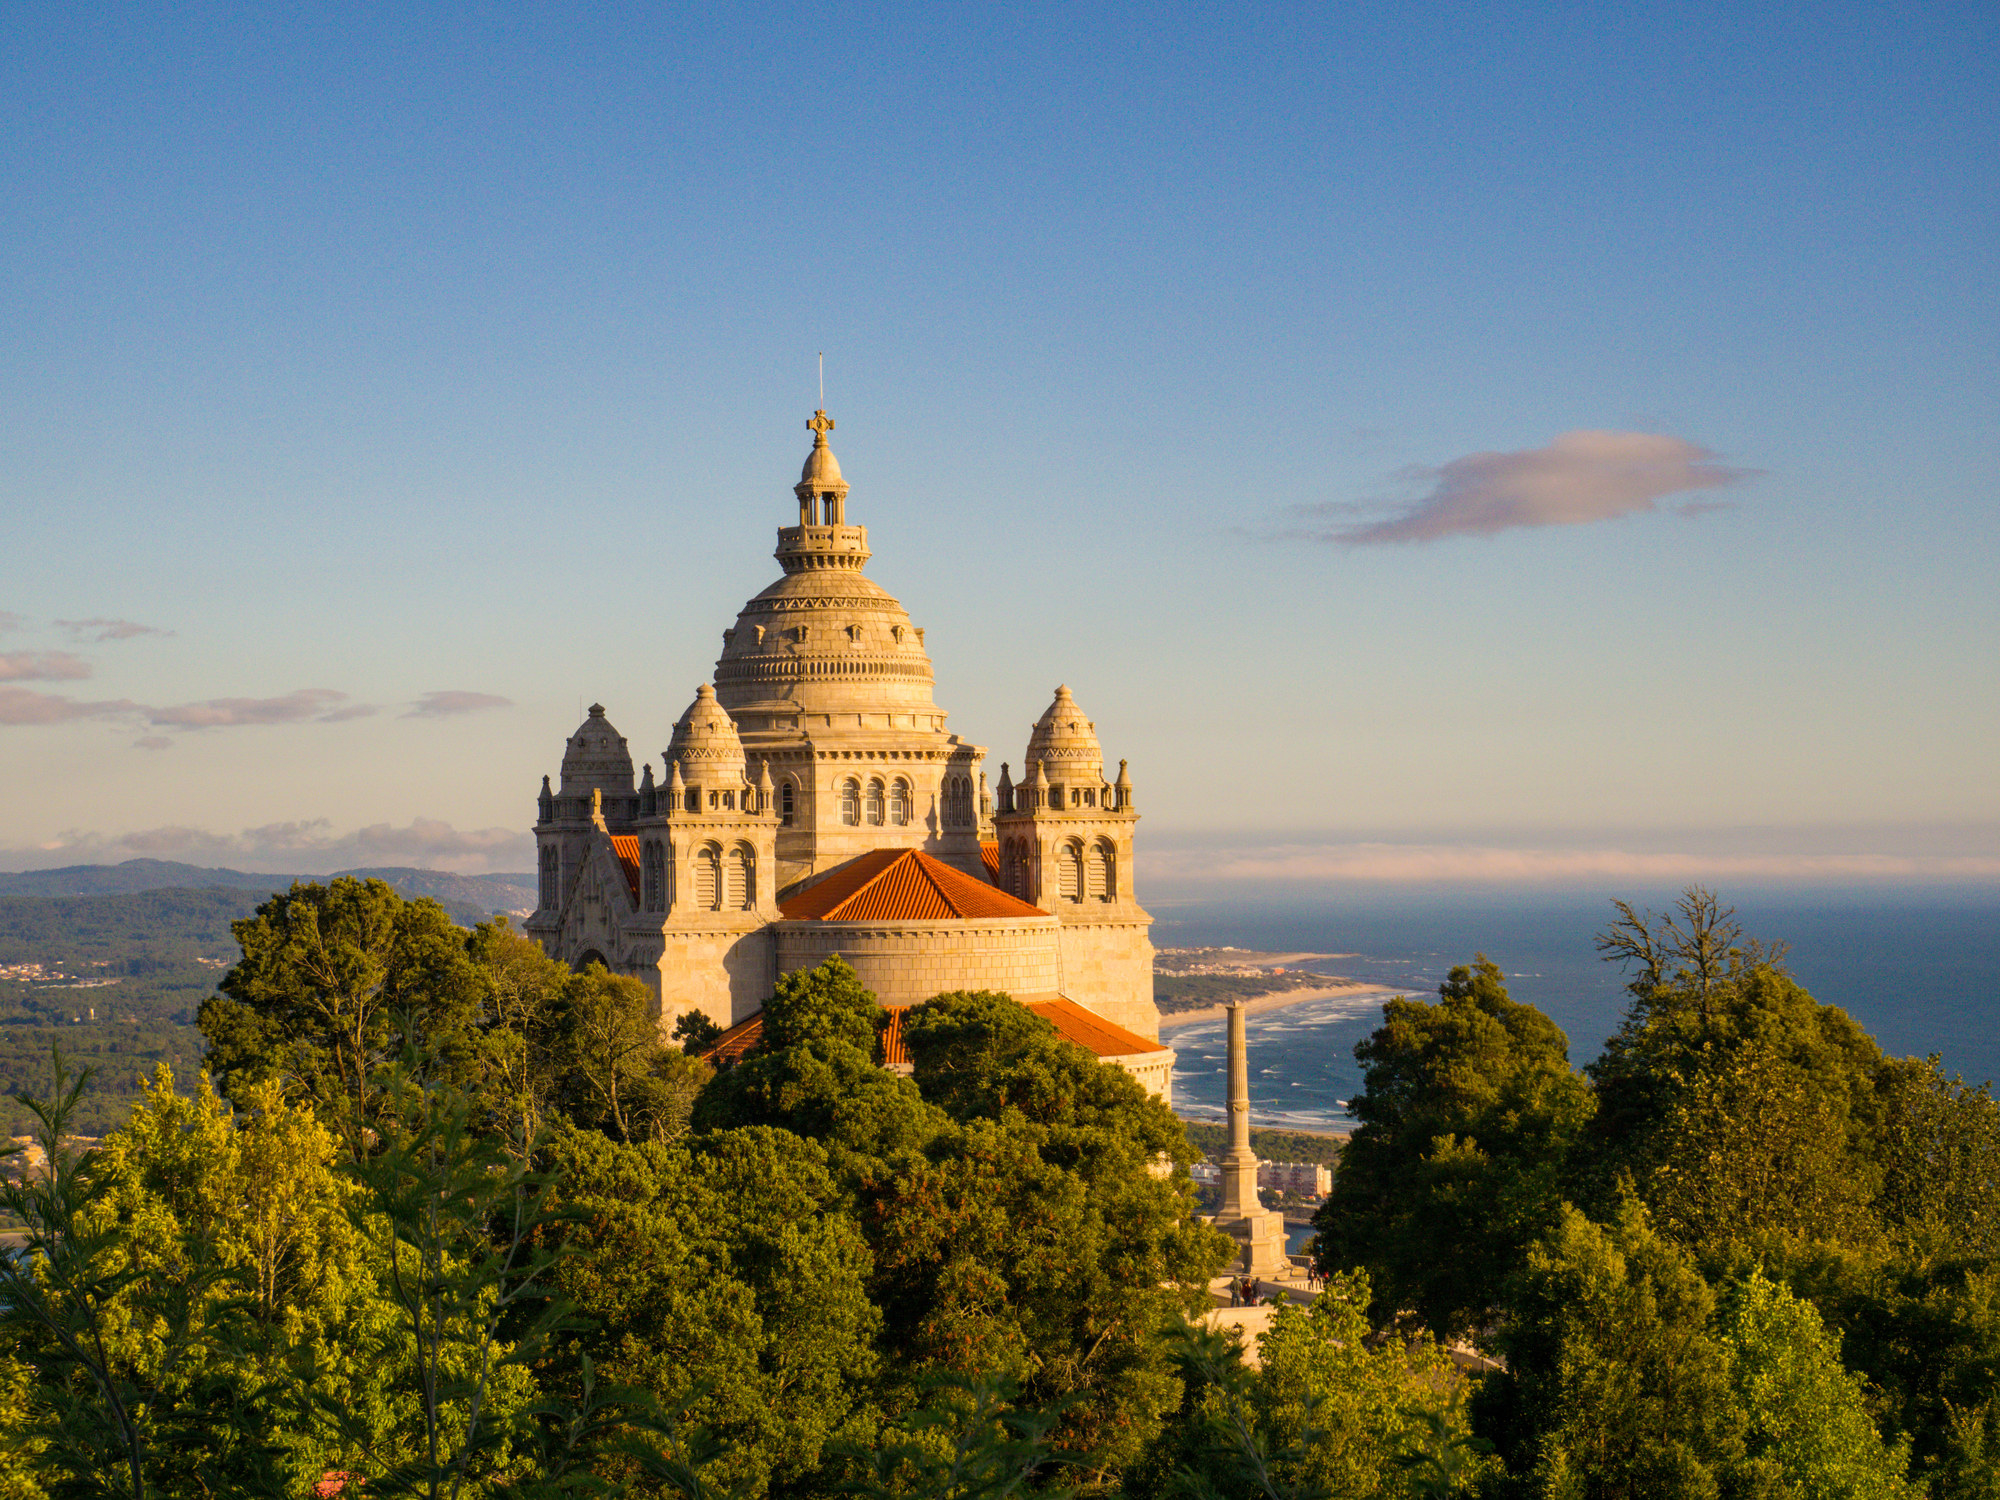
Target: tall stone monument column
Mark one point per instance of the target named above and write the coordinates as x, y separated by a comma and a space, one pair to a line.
1259, 1232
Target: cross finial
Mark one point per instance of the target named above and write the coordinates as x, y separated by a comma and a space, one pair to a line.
821, 424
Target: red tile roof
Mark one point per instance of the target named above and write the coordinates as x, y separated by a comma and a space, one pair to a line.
736, 1041
1091, 1031
902, 885
989, 856
626, 847
1072, 1022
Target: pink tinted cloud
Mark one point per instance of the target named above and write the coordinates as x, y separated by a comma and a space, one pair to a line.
153, 742
10, 621
443, 704
42, 666
108, 630
320, 704
1578, 478
26, 706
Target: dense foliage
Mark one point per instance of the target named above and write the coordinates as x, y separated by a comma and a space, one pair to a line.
1742, 1253
443, 1217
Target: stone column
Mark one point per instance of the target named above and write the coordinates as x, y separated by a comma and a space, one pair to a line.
1239, 1165
1243, 1217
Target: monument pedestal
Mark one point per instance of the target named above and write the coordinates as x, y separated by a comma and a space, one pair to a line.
1260, 1243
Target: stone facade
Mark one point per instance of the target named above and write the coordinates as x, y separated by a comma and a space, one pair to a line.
820, 744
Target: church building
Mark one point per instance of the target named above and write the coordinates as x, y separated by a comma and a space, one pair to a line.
812, 802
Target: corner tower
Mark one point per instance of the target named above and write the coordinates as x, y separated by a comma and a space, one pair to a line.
829, 686
1065, 836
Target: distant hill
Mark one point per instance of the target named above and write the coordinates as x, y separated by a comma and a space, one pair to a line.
514, 894
469, 898
133, 876
174, 924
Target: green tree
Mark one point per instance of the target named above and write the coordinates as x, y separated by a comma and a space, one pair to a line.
616, 1072
726, 1277
1615, 1386
1469, 1114
817, 1007
128, 1352
1926, 1337
522, 1054
335, 981
1720, 1045
814, 1074
1938, 1144
1362, 1417
1810, 1435
696, 1033
1047, 1233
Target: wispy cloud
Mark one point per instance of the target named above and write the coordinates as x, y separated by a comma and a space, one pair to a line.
321, 704
20, 706
1459, 864
1578, 478
10, 621
42, 666
443, 704
108, 630
153, 742
27, 706
309, 847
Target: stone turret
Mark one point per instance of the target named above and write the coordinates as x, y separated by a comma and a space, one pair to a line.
596, 787
1066, 845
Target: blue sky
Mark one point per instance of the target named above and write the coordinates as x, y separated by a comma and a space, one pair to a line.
1207, 359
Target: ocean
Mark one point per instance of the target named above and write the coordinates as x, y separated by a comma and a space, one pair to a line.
1919, 969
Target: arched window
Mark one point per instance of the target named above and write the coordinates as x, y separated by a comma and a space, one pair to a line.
649, 876
873, 809
850, 802
1101, 873
785, 796
708, 878
549, 894
899, 802
694, 799
729, 801
1069, 872
739, 874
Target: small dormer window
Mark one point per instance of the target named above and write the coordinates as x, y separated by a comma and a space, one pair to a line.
728, 638
854, 634
802, 633
760, 633
897, 632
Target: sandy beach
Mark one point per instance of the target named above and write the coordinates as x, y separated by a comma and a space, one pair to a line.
1276, 1001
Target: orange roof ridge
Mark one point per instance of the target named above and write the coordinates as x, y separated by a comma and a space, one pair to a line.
902, 885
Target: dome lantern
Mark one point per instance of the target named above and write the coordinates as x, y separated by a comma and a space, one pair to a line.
822, 492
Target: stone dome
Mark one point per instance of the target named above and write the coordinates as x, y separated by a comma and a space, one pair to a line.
705, 742
596, 758
1065, 743
825, 639
822, 469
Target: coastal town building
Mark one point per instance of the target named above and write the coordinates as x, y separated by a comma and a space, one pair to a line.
811, 802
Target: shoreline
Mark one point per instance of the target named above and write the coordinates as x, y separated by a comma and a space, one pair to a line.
1277, 1000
